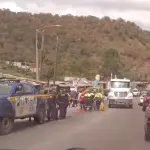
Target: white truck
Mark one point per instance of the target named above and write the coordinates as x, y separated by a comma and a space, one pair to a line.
120, 93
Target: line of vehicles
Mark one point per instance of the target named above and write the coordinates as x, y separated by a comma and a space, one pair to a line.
22, 99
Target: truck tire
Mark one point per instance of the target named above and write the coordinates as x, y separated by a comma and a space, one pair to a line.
131, 106
6, 125
109, 106
40, 117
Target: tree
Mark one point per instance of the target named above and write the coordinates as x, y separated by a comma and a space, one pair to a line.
48, 75
111, 62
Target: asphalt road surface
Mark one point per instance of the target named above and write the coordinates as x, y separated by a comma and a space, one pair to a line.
113, 129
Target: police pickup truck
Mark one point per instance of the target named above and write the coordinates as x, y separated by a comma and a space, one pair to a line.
19, 101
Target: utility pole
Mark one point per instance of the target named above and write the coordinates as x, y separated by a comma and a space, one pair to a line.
134, 73
37, 51
41, 55
37, 57
56, 59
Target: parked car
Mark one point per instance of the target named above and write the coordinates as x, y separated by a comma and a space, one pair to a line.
146, 100
147, 124
136, 92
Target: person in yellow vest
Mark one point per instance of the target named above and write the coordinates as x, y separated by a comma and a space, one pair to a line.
98, 98
88, 99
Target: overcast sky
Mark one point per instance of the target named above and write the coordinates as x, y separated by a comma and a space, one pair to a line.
133, 10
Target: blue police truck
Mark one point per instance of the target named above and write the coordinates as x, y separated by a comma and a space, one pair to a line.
19, 101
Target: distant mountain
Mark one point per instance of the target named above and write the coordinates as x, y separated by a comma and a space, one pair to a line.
83, 42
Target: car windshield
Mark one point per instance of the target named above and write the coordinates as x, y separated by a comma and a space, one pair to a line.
5, 89
120, 84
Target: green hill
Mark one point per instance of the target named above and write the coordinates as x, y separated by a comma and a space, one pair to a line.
87, 45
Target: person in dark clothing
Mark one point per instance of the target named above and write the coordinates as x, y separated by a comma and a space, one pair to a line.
52, 112
62, 101
74, 97
48, 105
98, 99
49, 109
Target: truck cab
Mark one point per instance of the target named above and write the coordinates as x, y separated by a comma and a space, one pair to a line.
120, 93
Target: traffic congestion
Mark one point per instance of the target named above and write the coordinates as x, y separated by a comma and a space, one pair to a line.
41, 103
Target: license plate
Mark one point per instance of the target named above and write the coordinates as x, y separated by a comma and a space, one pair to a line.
120, 102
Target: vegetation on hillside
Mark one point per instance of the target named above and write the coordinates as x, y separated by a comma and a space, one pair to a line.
87, 45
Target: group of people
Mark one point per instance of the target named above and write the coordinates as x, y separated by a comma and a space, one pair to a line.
93, 98
58, 103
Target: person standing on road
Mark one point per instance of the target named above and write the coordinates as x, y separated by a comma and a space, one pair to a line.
54, 114
98, 99
48, 104
62, 101
81, 99
88, 100
74, 97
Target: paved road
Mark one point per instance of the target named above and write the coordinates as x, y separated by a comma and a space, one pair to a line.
114, 129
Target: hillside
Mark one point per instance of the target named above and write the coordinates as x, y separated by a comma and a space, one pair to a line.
87, 45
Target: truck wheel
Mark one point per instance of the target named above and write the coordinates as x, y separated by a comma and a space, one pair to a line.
131, 106
109, 106
40, 117
6, 125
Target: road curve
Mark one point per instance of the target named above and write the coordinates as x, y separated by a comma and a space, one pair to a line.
113, 129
